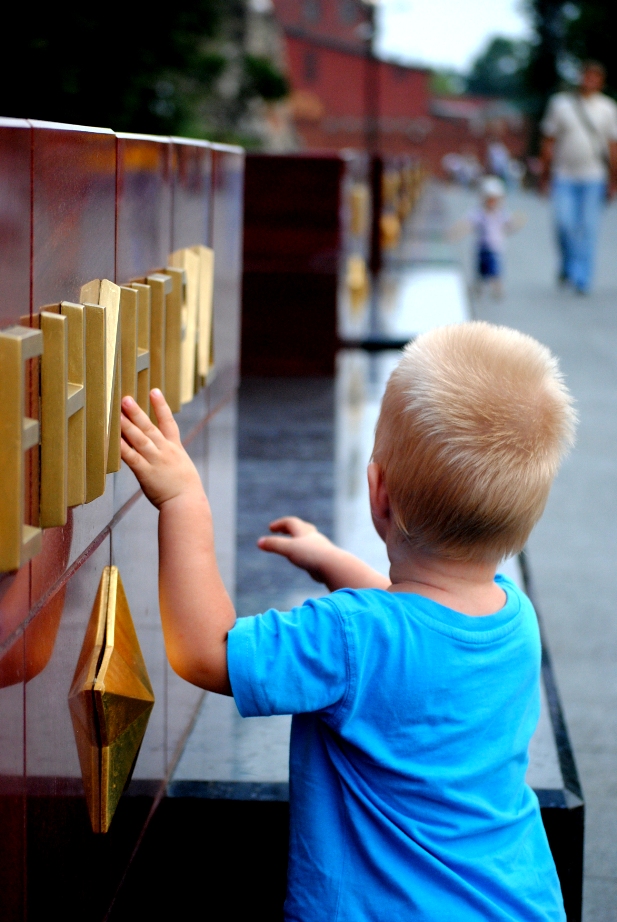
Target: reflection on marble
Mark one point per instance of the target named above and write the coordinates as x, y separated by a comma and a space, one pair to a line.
285, 467
220, 484
50, 743
134, 545
12, 727
255, 749
425, 233
228, 188
124, 486
90, 520
192, 413
419, 299
360, 381
404, 304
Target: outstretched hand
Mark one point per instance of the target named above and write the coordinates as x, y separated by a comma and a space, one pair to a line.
307, 548
156, 456
303, 545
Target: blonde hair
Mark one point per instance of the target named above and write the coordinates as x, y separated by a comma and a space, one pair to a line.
473, 426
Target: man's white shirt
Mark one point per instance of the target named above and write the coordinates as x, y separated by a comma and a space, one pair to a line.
578, 150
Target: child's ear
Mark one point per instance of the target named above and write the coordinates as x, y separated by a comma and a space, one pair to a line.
378, 495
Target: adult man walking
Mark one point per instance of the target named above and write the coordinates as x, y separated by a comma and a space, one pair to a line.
579, 149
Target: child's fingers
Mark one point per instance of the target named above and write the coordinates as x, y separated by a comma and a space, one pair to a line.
166, 421
133, 412
131, 457
292, 525
275, 545
137, 438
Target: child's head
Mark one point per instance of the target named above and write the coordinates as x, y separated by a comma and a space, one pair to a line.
493, 191
473, 425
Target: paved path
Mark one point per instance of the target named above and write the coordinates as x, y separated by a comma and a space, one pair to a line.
573, 550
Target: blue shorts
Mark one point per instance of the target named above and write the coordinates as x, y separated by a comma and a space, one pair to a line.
489, 263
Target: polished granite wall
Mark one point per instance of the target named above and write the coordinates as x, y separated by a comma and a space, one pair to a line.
285, 467
78, 204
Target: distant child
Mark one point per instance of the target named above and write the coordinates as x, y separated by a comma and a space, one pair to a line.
415, 697
491, 224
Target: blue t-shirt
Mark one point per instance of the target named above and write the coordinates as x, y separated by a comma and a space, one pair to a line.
408, 756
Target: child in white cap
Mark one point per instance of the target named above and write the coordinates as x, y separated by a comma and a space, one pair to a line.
491, 223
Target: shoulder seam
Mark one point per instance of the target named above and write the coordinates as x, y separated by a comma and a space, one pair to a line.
349, 663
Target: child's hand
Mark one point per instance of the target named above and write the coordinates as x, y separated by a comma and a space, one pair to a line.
305, 547
308, 549
156, 456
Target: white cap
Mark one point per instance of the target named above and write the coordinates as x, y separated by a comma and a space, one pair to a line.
492, 187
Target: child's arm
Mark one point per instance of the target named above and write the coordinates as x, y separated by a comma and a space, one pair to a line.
196, 611
325, 562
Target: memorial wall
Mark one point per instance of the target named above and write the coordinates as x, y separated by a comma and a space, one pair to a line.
120, 262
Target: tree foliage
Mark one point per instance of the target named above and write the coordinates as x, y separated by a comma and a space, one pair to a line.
128, 67
590, 33
263, 79
566, 34
500, 69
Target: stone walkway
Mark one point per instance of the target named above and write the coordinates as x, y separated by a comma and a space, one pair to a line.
573, 551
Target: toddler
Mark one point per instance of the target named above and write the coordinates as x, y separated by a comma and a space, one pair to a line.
414, 697
490, 223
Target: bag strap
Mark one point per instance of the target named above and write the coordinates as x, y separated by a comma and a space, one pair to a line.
592, 132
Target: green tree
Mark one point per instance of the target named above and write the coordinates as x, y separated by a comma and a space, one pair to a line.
500, 69
124, 66
590, 33
566, 34
448, 82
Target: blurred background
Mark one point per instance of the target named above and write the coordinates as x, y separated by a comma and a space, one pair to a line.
438, 79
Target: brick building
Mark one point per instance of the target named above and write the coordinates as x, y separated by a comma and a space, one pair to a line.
344, 96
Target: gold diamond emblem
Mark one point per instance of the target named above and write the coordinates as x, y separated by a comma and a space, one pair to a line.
110, 701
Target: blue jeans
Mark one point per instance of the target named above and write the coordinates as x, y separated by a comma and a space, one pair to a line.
578, 207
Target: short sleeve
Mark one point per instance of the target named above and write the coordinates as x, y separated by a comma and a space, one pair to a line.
293, 662
551, 123
612, 133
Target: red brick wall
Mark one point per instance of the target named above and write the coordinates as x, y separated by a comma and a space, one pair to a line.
344, 20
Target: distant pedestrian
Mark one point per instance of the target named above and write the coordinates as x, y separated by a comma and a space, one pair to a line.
579, 152
491, 223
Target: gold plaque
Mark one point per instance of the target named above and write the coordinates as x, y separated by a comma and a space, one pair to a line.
54, 419
18, 541
63, 429
143, 345
106, 295
129, 299
204, 327
76, 403
188, 259
110, 701
359, 202
96, 429
175, 303
160, 287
